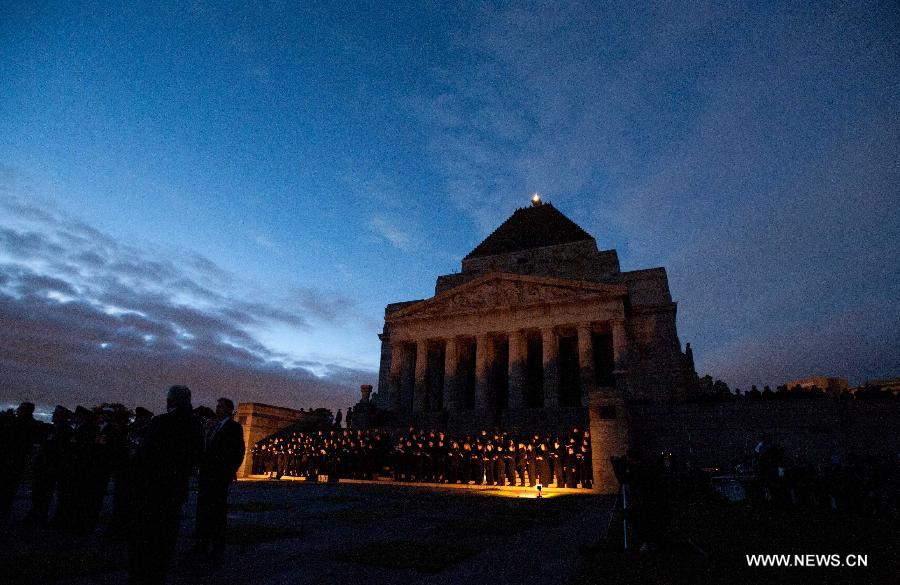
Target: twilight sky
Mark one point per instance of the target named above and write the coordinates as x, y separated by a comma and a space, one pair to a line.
227, 196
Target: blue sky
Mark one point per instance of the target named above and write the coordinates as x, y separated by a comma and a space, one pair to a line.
278, 173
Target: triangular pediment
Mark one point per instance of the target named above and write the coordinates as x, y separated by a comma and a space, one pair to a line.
497, 291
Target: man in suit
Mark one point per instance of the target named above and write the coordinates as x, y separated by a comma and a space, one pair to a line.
160, 471
222, 455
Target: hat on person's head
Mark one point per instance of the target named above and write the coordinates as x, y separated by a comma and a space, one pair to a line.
141, 412
62, 412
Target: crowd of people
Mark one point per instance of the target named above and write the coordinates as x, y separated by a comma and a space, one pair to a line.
719, 391
78, 454
332, 454
150, 460
852, 484
485, 458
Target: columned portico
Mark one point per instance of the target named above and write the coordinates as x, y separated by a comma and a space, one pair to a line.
506, 343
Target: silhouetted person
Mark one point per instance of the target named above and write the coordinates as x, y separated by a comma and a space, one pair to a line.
222, 455
134, 433
648, 501
102, 456
17, 436
49, 464
69, 512
82, 482
350, 417
161, 468
338, 418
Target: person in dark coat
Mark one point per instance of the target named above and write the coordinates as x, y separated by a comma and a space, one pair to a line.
521, 462
509, 462
18, 434
542, 463
105, 455
531, 464
77, 481
222, 455
49, 464
134, 435
556, 456
161, 468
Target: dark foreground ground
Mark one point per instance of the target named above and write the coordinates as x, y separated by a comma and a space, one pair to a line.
291, 532
709, 539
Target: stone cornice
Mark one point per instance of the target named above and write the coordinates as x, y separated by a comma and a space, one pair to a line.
660, 308
567, 291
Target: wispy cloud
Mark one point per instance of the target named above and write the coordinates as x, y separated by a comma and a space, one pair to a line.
265, 242
86, 318
392, 229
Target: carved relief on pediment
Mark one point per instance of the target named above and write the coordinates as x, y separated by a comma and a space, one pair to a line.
498, 294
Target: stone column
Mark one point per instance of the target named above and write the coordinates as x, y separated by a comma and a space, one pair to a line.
586, 361
609, 436
394, 379
518, 356
620, 345
451, 385
482, 371
551, 367
420, 390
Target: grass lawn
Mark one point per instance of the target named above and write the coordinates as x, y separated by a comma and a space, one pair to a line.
726, 532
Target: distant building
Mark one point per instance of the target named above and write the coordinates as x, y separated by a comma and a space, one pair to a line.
830, 385
537, 318
889, 384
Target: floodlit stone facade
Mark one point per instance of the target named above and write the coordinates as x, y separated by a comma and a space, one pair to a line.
261, 420
537, 320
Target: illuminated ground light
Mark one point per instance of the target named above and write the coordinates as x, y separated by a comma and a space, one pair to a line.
484, 490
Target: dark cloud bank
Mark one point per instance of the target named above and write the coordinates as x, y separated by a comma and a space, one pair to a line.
85, 319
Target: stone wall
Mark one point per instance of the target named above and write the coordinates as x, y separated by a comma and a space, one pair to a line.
657, 367
711, 434
576, 261
649, 286
259, 421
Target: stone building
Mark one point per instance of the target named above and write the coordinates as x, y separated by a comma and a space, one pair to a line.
831, 385
537, 319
